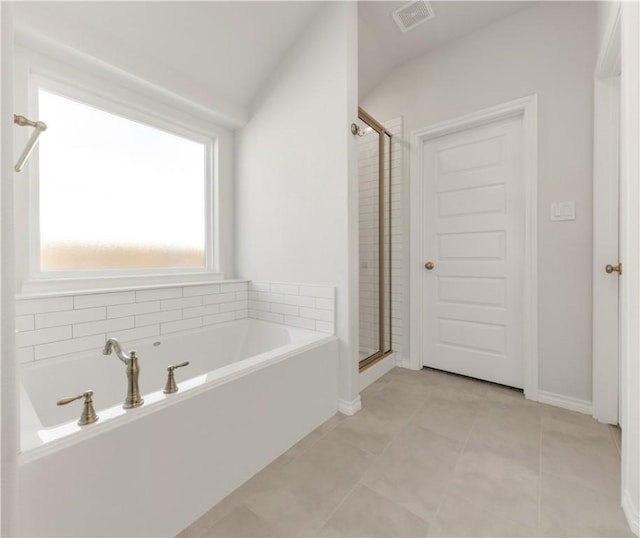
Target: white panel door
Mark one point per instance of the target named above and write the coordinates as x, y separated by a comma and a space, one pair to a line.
474, 221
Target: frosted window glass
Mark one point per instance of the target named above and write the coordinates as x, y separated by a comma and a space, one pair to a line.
117, 194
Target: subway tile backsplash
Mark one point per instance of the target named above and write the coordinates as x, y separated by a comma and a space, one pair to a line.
51, 327
298, 305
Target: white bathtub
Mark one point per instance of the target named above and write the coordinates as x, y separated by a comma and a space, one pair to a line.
251, 390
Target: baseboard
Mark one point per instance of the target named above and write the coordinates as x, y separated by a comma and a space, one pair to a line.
376, 371
631, 512
403, 362
350, 408
566, 402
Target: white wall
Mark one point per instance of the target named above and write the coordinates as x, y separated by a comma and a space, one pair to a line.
548, 49
296, 176
8, 380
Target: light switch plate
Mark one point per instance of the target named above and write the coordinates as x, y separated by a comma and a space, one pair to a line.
563, 211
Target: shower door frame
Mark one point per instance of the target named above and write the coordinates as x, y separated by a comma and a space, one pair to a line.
369, 361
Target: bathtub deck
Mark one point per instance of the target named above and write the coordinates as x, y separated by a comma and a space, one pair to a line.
433, 454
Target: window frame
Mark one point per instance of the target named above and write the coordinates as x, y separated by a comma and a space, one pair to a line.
34, 72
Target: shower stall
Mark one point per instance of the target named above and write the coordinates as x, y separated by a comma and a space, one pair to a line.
375, 239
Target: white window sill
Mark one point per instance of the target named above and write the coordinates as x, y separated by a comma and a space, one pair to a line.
77, 286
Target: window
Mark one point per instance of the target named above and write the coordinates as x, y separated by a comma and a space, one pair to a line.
130, 185
117, 194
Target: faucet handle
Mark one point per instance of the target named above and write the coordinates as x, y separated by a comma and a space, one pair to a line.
88, 412
174, 366
171, 386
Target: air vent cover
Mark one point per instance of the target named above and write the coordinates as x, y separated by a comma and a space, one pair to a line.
413, 14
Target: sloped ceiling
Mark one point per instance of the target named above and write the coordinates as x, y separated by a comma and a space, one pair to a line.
224, 49
382, 46
223, 52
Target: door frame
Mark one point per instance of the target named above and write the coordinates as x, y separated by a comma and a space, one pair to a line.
606, 158
9, 408
527, 108
630, 255
383, 183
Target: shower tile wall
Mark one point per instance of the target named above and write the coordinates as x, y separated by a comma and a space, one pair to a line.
58, 326
298, 305
55, 326
368, 177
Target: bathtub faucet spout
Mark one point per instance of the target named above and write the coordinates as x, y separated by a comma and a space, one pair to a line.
133, 399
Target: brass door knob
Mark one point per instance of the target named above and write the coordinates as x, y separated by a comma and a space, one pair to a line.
429, 266
614, 268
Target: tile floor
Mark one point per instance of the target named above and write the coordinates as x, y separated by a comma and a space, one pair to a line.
433, 454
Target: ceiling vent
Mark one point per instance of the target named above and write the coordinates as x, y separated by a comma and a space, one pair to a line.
413, 14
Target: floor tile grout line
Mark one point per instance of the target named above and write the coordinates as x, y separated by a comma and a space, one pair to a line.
305, 450
339, 505
572, 479
243, 502
471, 430
393, 437
464, 446
371, 464
423, 401
418, 401
401, 430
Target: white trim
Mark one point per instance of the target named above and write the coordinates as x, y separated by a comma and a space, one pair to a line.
376, 371
630, 256
527, 107
9, 402
566, 402
127, 284
75, 286
35, 69
350, 408
609, 55
632, 513
403, 362
606, 220
212, 108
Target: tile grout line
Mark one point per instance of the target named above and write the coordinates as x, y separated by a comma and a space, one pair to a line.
304, 451
423, 402
464, 446
404, 425
243, 502
502, 517
373, 461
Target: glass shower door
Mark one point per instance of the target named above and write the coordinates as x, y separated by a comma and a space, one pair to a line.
374, 167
